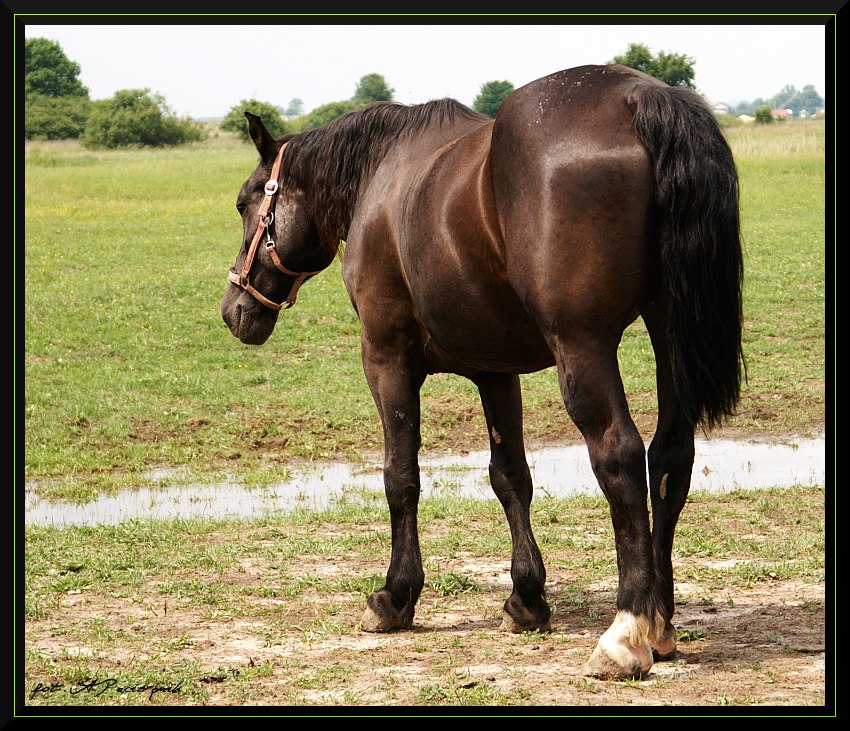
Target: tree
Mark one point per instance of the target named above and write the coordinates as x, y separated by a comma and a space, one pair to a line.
295, 108
671, 68
749, 108
783, 98
137, 118
809, 100
372, 88
57, 103
234, 120
49, 72
491, 96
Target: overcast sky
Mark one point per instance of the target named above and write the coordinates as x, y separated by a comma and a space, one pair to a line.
203, 70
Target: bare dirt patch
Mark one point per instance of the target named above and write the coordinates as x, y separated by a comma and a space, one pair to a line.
758, 646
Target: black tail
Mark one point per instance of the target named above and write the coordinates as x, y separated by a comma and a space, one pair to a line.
702, 270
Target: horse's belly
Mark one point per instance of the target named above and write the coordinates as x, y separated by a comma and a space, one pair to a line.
481, 332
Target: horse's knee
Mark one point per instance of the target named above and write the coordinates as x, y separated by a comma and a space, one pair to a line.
401, 485
511, 481
618, 460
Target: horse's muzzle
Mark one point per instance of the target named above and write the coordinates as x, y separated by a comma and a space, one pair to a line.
247, 319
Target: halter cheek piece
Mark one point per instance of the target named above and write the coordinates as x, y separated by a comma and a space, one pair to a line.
266, 216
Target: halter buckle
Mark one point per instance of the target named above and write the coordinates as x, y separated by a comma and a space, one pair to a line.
271, 187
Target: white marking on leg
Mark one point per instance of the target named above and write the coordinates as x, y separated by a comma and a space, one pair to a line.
626, 642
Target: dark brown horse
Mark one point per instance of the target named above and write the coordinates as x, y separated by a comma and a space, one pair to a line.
492, 248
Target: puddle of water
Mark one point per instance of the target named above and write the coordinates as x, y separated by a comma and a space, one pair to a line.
560, 472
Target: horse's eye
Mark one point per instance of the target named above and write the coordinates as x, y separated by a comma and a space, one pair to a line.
241, 208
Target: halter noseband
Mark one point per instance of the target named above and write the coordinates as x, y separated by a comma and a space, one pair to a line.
266, 215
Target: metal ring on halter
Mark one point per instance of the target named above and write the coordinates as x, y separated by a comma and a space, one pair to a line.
268, 219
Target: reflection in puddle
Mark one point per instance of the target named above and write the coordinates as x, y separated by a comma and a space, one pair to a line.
560, 472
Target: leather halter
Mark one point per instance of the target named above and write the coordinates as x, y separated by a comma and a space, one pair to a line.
266, 216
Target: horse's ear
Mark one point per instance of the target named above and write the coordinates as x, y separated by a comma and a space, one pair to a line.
263, 140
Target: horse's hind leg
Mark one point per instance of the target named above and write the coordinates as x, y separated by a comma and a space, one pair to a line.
671, 459
525, 609
593, 394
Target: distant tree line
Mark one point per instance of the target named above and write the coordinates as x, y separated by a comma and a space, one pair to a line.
801, 103
58, 105
371, 88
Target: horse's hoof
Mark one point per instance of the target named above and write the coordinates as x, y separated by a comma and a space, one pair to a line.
509, 624
615, 657
622, 665
372, 622
665, 647
519, 616
385, 620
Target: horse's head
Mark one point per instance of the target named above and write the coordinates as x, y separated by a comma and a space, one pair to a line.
280, 244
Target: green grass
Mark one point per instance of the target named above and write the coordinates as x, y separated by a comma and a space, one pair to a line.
128, 365
140, 602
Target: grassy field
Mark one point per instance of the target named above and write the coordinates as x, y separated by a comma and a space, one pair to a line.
128, 365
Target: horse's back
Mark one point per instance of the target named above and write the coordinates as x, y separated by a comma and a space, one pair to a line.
574, 95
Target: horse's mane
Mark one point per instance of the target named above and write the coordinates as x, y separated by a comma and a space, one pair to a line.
328, 163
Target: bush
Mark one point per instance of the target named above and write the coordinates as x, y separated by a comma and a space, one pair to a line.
728, 120
234, 121
324, 114
764, 115
55, 118
137, 118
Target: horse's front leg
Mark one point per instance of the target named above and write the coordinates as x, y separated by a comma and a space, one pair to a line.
395, 379
510, 478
